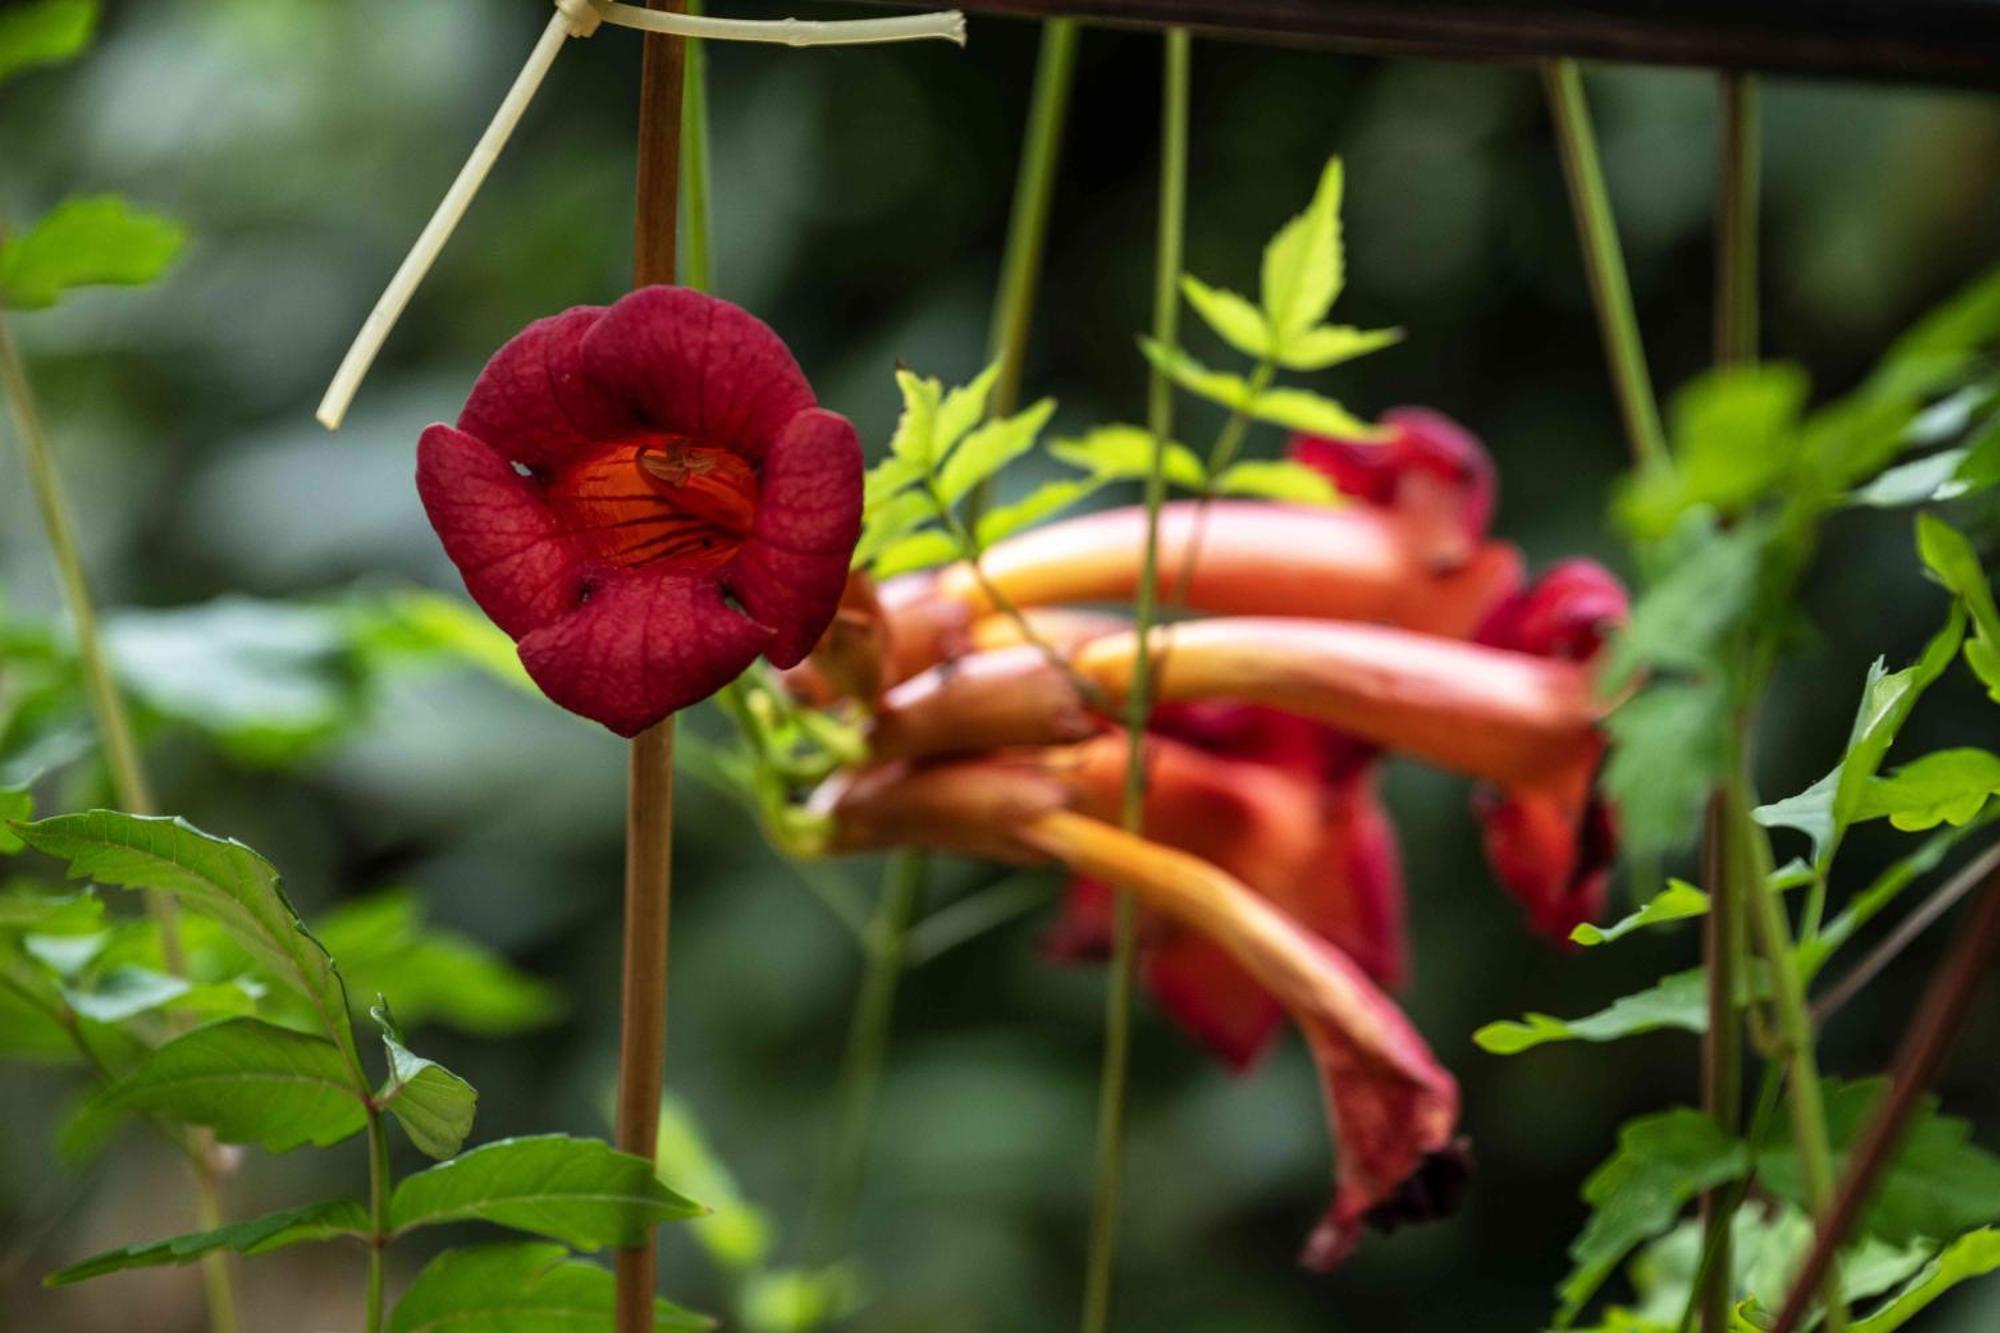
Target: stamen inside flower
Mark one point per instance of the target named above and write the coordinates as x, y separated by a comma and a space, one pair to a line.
658, 499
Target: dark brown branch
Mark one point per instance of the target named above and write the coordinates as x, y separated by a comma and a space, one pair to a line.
1907, 930
1925, 1046
1906, 41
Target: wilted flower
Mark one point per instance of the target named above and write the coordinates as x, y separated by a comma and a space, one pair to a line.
646, 497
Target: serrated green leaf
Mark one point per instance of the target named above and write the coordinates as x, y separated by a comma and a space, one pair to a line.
251, 1082
1734, 437
887, 523
1235, 320
919, 550
1709, 582
1045, 501
1304, 410
1326, 345
1677, 902
991, 447
1972, 1255
85, 243
963, 408
1668, 745
1954, 563
44, 32
1938, 1184
434, 1106
519, 1288
429, 974
28, 907
1662, 1162
219, 878
1302, 271
1217, 386
916, 429
1678, 1001
582, 1192
1944, 787
1122, 452
273, 1231
16, 805
1278, 479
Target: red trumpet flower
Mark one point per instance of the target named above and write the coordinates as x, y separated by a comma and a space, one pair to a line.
646, 497
1431, 470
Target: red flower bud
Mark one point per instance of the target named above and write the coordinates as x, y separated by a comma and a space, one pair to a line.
646, 497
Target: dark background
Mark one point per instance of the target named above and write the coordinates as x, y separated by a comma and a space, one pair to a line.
861, 199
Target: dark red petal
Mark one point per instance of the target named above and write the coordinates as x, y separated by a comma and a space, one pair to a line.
533, 401
793, 565
698, 366
1083, 926
1213, 998
1552, 848
1568, 613
495, 526
642, 647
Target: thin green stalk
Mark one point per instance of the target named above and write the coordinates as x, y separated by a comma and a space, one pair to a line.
1715, 1260
1795, 1030
1034, 195
1604, 260
867, 1042
1736, 224
121, 752
697, 258
378, 1212
1125, 938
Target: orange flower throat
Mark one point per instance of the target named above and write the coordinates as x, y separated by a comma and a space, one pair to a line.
658, 499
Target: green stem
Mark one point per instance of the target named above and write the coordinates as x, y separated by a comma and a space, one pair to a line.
697, 222
1034, 194
1610, 288
121, 750
1795, 1030
1736, 224
1125, 939
867, 1043
378, 1211
1722, 1084
1715, 1263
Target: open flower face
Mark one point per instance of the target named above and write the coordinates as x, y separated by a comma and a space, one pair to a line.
646, 497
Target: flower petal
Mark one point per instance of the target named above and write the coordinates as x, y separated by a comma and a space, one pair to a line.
533, 401
1214, 1000
698, 366
507, 543
642, 647
793, 565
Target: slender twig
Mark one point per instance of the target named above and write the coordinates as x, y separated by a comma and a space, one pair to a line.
697, 217
642, 1016
121, 757
1795, 1030
1736, 223
1905, 933
378, 1209
1722, 1067
1768, 1092
1034, 194
1125, 934
1610, 288
1925, 1046
867, 1043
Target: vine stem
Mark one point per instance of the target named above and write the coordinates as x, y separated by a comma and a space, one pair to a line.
1604, 260
697, 217
1034, 195
642, 1017
378, 1209
1925, 1046
121, 756
867, 1045
1794, 1023
1736, 223
1102, 1254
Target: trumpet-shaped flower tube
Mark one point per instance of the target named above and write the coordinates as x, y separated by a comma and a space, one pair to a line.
646, 497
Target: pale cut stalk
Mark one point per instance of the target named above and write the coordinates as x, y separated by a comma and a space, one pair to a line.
430, 242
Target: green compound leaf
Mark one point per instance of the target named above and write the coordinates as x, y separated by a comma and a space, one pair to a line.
251, 1082
991, 447
1327, 345
1303, 270
1669, 744
1953, 563
1972, 1255
273, 1231
1662, 1162
1217, 386
217, 877
1677, 902
519, 1288
432, 975
16, 805
1278, 479
1304, 410
27, 907
582, 1192
434, 1106
919, 550
1122, 452
1945, 787
1046, 500
1235, 319
1734, 438
915, 440
1677, 1001
44, 32
85, 243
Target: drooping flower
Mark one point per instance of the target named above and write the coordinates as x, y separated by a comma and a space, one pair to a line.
1431, 471
646, 497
